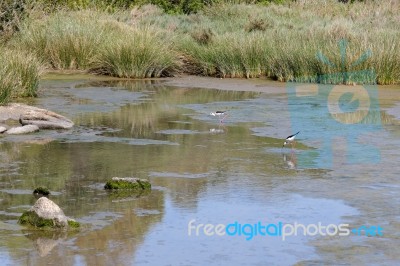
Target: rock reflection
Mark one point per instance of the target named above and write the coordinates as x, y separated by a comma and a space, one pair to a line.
45, 241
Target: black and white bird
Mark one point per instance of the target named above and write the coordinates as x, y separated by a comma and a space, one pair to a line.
221, 114
290, 139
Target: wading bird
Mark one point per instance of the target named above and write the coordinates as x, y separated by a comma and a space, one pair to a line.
290, 139
221, 114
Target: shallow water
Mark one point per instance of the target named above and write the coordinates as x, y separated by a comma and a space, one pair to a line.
205, 172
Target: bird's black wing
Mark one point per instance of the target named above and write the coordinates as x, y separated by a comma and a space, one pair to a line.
293, 135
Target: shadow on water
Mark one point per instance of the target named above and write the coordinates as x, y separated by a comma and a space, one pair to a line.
200, 169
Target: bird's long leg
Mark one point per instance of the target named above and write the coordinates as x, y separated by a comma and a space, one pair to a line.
222, 120
292, 144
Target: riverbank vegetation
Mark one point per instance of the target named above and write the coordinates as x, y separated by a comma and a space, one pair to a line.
306, 41
19, 75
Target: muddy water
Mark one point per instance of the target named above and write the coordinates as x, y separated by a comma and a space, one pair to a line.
203, 172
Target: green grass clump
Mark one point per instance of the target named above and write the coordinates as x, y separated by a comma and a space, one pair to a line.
96, 41
6, 84
137, 54
64, 40
19, 75
230, 55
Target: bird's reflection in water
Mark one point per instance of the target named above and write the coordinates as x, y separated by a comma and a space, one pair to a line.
290, 160
220, 130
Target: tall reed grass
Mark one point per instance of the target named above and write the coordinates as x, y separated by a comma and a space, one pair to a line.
19, 75
137, 54
96, 41
63, 40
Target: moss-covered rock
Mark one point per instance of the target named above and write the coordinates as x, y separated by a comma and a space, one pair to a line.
73, 224
44, 191
33, 219
130, 183
45, 214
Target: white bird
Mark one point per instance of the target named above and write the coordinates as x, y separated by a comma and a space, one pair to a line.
290, 139
220, 114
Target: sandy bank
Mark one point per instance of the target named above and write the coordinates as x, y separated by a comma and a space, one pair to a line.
237, 84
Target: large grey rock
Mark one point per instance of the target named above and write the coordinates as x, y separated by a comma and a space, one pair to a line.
45, 213
47, 209
30, 115
45, 119
2, 129
14, 110
22, 130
